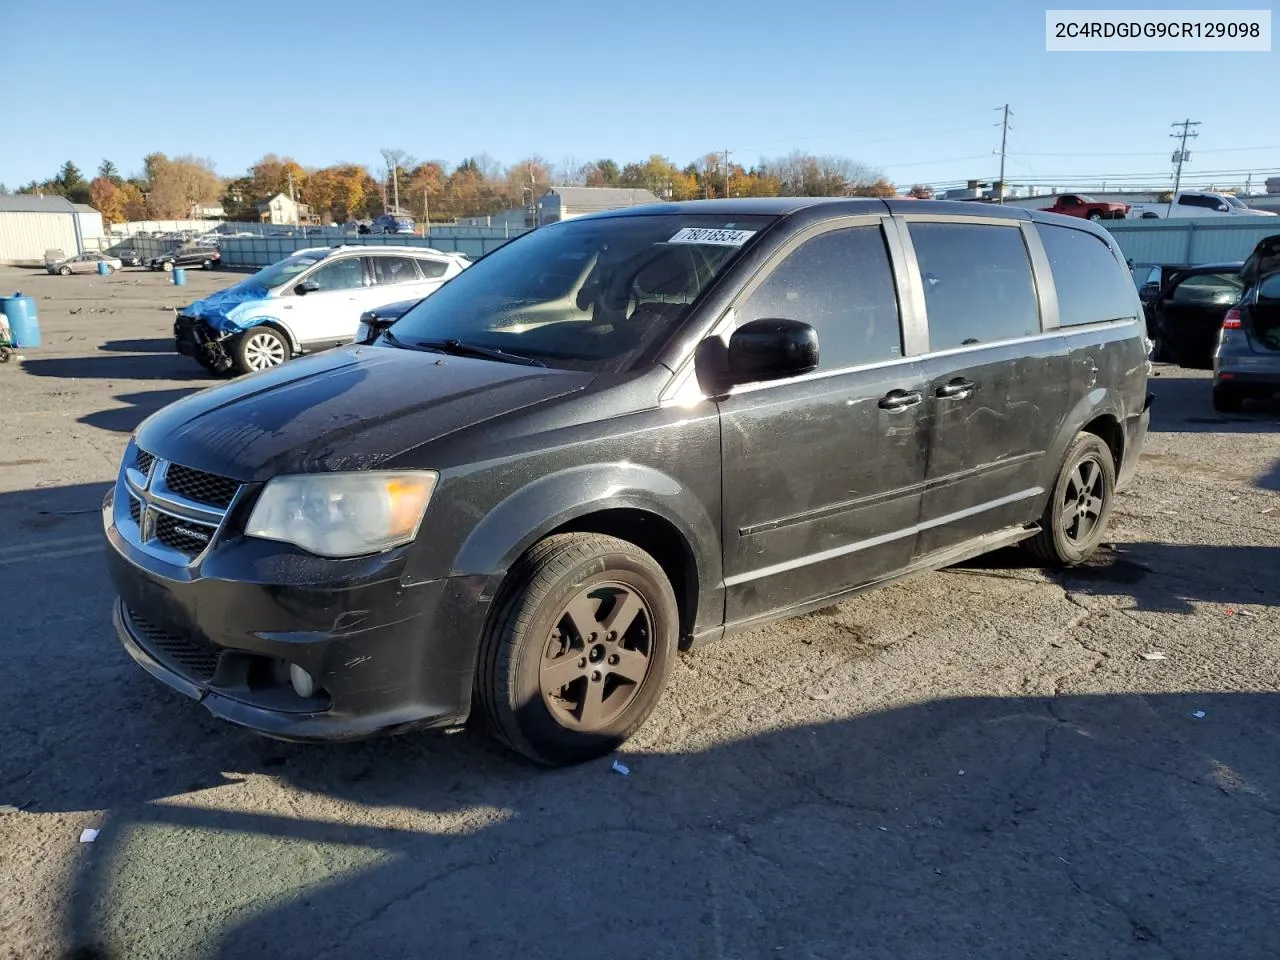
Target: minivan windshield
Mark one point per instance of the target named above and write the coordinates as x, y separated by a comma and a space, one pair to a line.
590, 294
283, 271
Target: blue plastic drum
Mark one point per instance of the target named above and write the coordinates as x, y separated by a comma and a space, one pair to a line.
20, 312
179, 277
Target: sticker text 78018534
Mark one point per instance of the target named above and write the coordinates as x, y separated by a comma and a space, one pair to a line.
713, 235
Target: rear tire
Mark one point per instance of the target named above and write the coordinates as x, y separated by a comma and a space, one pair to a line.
1080, 505
167, 266
1094, 215
64, 271
578, 649
1226, 399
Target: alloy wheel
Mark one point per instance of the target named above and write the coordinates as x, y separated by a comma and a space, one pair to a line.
597, 656
1083, 501
263, 350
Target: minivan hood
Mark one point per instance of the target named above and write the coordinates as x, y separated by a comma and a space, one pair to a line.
346, 409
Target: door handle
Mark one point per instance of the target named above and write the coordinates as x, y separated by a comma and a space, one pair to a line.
957, 389
900, 399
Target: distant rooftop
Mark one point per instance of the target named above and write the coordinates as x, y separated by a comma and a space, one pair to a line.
30, 203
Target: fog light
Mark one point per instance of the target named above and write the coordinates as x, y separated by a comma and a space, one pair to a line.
303, 683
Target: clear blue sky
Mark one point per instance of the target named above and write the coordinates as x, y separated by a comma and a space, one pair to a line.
908, 88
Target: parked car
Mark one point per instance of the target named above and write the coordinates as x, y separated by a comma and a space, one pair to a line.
84, 263
128, 257
394, 223
1196, 203
307, 302
1078, 205
1188, 312
1246, 363
205, 257
618, 436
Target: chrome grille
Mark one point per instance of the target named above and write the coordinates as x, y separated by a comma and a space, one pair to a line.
186, 536
185, 653
200, 486
174, 511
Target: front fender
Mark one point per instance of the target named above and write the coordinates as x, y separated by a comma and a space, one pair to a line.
552, 501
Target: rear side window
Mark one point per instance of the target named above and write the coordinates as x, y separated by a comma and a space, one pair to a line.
433, 269
1209, 289
1091, 285
391, 269
841, 284
978, 286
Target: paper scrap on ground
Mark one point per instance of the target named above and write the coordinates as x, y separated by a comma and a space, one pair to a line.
621, 768
1199, 714
88, 835
1154, 655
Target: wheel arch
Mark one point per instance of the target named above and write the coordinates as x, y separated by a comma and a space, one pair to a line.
1098, 413
635, 503
275, 324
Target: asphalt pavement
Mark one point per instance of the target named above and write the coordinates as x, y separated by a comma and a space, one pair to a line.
989, 761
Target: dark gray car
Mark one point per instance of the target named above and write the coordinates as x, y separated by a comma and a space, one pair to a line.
618, 437
1246, 363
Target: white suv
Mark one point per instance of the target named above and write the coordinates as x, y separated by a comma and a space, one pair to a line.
308, 301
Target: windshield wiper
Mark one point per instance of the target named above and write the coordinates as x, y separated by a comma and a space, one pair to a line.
459, 349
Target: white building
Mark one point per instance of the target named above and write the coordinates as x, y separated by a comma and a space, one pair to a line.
285, 210
565, 203
30, 225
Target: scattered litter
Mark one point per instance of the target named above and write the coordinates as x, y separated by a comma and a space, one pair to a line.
1153, 655
88, 835
9, 808
1245, 613
1170, 513
1269, 510
962, 773
824, 695
622, 768
76, 310
1229, 612
1198, 714
1067, 862
885, 829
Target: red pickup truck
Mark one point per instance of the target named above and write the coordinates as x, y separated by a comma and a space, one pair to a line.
1078, 205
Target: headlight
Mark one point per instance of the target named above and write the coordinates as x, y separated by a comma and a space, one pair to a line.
343, 514
362, 332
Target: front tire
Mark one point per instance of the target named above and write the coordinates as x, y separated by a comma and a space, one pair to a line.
1080, 505
261, 348
1094, 215
64, 271
167, 267
579, 648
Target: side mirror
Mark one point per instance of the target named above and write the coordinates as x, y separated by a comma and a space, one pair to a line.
372, 326
1223, 207
305, 287
1149, 291
758, 351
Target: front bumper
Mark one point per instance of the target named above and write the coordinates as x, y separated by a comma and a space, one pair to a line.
385, 654
194, 337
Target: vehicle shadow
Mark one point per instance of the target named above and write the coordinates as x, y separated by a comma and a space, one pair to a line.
142, 405
1000, 826
157, 366
146, 345
1158, 577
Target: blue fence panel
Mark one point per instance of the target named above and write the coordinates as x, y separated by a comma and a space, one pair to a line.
256, 252
1191, 241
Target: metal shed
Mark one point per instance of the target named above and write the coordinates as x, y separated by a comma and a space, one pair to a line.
30, 225
565, 203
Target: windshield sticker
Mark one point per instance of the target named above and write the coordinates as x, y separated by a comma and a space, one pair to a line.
713, 236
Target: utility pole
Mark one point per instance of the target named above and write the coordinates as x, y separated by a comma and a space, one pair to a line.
426, 211
726, 173
395, 182
1004, 144
1180, 155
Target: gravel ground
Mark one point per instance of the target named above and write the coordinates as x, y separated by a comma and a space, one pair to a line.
978, 763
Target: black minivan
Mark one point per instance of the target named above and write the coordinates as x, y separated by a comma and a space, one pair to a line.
617, 437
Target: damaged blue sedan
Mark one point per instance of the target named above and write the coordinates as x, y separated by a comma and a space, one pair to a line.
309, 301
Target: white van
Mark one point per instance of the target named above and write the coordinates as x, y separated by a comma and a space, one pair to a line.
309, 301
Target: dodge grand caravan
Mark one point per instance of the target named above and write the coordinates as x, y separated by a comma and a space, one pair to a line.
621, 436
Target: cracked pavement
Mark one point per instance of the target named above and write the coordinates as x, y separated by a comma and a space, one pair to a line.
978, 762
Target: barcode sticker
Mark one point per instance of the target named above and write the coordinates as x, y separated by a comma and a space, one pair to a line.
713, 236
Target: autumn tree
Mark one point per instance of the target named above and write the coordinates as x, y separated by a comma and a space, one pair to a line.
659, 176
921, 191
880, 187
132, 203
106, 199
272, 175
340, 193
532, 174
602, 173
423, 188
180, 184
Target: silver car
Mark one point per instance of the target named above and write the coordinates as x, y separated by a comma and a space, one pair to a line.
1247, 361
84, 263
